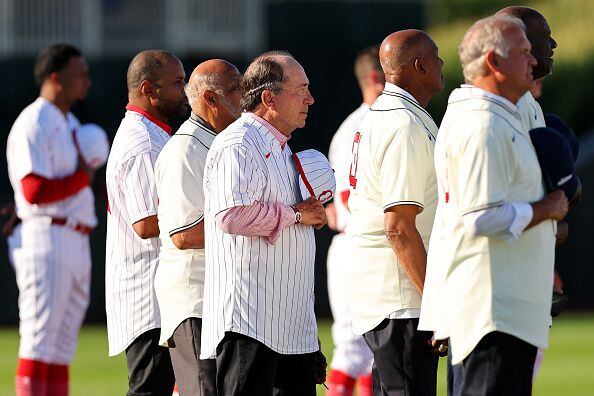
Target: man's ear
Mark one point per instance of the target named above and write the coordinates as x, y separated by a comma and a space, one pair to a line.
267, 98
210, 98
492, 61
55, 77
146, 89
419, 66
376, 77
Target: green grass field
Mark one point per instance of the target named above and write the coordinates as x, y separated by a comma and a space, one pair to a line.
568, 367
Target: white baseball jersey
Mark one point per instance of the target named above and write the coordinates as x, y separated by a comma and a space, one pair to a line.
263, 291
340, 156
179, 281
433, 312
41, 142
351, 354
491, 284
52, 262
530, 112
392, 165
131, 262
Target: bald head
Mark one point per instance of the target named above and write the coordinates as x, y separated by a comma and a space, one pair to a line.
538, 33
216, 75
410, 60
148, 65
214, 92
400, 49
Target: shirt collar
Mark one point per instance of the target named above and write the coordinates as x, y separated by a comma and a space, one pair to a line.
389, 87
164, 126
280, 138
492, 96
200, 121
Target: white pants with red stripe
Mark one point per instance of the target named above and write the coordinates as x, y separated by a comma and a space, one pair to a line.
53, 272
351, 355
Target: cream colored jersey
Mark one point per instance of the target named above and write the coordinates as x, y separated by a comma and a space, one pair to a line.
530, 112
433, 313
179, 171
392, 165
485, 158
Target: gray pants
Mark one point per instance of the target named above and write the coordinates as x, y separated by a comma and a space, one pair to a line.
194, 377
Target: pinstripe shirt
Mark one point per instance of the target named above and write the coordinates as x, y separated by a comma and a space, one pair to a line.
131, 262
264, 291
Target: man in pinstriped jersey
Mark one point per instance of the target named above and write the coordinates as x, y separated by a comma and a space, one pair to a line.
156, 81
259, 319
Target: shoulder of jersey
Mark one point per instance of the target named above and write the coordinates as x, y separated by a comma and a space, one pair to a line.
188, 138
38, 113
389, 113
482, 120
352, 121
132, 138
240, 132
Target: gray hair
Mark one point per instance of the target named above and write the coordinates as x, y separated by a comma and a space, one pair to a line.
485, 35
264, 73
197, 85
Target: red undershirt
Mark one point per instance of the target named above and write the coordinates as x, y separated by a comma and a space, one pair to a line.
41, 190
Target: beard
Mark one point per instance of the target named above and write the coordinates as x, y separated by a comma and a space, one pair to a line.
234, 111
172, 108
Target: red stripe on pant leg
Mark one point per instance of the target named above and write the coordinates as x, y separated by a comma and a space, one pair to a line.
340, 384
365, 385
31, 378
57, 380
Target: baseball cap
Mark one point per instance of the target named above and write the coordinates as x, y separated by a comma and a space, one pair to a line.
556, 161
557, 123
316, 176
92, 144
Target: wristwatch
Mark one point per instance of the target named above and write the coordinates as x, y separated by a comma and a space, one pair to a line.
297, 214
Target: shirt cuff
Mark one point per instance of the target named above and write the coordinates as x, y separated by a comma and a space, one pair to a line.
523, 217
287, 218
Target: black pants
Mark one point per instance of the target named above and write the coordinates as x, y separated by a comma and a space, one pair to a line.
500, 364
194, 377
248, 367
149, 366
402, 365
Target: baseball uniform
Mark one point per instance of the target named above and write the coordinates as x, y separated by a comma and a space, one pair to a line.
531, 113
133, 317
52, 258
257, 293
433, 305
131, 262
351, 355
392, 165
492, 285
179, 280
